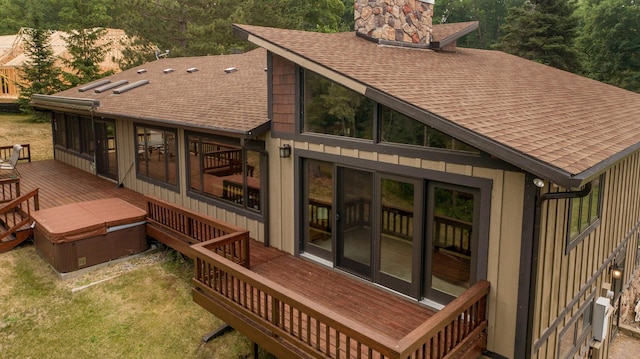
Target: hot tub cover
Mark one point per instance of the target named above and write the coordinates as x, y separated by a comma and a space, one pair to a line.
81, 220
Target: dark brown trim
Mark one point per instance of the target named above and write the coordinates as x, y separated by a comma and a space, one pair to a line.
528, 264
392, 43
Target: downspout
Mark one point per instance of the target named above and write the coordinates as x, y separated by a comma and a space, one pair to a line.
541, 198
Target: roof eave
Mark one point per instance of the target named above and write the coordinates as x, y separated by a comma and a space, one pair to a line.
436, 45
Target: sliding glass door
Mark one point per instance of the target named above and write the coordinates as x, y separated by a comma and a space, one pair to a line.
408, 234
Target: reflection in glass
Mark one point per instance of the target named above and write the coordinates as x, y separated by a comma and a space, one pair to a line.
396, 229
398, 128
319, 211
451, 241
356, 216
333, 109
157, 154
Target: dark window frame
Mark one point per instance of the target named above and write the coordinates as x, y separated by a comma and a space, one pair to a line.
145, 177
74, 133
246, 145
593, 218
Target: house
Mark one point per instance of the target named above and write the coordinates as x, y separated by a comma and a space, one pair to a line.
395, 158
12, 57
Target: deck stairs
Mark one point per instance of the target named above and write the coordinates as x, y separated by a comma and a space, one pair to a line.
16, 223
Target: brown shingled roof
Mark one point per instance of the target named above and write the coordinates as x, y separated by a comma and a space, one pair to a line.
549, 122
209, 98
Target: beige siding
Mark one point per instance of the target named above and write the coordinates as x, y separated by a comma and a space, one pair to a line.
74, 160
505, 227
565, 281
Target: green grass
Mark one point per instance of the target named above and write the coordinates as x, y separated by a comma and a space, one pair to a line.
140, 310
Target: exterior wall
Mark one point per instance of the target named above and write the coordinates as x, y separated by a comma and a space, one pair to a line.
74, 160
127, 152
505, 228
506, 213
565, 282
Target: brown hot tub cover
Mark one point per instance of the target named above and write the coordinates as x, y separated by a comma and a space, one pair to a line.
81, 220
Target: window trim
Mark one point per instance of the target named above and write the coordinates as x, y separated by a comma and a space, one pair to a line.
572, 241
246, 145
155, 181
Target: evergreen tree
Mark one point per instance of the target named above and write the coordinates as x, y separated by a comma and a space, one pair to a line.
85, 19
544, 31
40, 74
611, 42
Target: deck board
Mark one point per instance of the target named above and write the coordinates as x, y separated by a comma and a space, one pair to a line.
359, 300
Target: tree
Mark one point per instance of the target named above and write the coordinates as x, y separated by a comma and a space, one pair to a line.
611, 42
40, 74
85, 20
544, 31
490, 13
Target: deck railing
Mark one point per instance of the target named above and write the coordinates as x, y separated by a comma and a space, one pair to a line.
14, 216
9, 189
25, 152
187, 227
449, 233
320, 332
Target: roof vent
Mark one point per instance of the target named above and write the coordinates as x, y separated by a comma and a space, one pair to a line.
230, 70
93, 85
141, 71
192, 69
130, 86
110, 86
168, 71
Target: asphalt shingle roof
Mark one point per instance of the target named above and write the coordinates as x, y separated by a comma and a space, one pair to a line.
208, 98
547, 116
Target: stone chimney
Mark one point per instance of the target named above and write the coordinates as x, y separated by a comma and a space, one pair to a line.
400, 22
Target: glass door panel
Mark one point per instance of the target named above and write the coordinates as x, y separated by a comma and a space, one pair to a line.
318, 209
354, 216
399, 235
105, 151
453, 213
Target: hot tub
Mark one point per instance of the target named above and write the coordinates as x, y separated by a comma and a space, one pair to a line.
83, 234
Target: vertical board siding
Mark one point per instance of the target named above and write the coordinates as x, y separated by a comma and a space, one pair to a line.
567, 280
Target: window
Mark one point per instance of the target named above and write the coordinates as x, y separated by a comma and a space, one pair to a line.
574, 337
157, 155
4, 85
399, 128
584, 214
333, 109
74, 133
223, 169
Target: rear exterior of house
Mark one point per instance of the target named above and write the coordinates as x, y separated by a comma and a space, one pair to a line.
411, 165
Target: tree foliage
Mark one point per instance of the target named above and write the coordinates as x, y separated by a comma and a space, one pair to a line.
544, 31
611, 42
85, 25
40, 72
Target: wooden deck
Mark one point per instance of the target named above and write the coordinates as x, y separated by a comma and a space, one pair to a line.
61, 184
339, 303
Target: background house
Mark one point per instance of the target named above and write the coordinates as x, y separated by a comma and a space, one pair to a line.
12, 57
410, 164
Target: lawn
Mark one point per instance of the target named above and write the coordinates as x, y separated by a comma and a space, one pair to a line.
22, 129
139, 308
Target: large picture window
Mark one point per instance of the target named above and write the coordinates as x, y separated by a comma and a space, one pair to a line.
399, 128
333, 109
157, 155
584, 214
74, 133
224, 170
